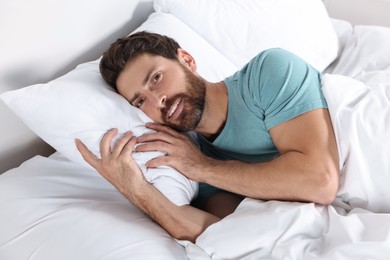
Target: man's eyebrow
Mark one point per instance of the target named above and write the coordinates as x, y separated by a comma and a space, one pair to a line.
136, 95
144, 82
147, 76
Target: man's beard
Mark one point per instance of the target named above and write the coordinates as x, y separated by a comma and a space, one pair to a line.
193, 102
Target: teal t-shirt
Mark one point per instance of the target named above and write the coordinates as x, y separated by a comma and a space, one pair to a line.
272, 88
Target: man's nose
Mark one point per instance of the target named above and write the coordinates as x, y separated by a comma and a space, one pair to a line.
163, 100
160, 100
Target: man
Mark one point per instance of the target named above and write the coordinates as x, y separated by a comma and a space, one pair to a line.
264, 132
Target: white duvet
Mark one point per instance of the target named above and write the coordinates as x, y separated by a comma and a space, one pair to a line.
52, 209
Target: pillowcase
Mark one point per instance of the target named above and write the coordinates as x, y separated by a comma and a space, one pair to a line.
241, 29
81, 105
366, 55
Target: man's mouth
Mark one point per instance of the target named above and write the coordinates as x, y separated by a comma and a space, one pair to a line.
174, 107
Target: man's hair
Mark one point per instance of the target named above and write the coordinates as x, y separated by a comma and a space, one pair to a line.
127, 48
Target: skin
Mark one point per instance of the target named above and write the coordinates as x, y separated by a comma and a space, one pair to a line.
306, 170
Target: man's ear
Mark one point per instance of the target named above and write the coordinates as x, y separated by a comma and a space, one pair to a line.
186, 59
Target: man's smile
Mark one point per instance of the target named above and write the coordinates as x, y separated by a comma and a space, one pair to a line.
175, 109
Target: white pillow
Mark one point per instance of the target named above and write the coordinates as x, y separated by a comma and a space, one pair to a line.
241, 29
366, 55
81, 105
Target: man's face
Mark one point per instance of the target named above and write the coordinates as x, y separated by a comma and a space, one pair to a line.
167, 91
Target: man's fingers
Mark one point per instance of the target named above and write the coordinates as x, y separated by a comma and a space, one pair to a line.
163, 128
105, 143
159, 136
86, 154
117, 150
153, 146
159, 161
128, 148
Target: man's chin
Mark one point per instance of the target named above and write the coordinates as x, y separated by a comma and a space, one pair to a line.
185, 123
181, 127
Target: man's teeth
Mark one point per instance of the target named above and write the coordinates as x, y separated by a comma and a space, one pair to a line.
174, 107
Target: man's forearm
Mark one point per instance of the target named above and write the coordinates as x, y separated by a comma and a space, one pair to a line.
182, 222
291, 176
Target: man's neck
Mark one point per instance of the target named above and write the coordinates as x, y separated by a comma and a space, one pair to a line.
215, 111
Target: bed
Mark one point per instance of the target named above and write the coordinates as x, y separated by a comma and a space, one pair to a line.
54, 206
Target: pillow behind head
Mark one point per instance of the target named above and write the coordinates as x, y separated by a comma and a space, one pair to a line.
241, 29
81, 105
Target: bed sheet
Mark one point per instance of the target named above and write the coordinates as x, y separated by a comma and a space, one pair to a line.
54, 209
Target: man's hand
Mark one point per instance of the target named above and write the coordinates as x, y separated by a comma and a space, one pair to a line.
116, 165
181, 153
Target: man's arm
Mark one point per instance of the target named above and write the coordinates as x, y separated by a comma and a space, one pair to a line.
182, 222
306, 170
118, 167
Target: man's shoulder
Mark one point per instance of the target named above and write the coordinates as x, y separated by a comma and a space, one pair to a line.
275, 52
274, 55
268, 64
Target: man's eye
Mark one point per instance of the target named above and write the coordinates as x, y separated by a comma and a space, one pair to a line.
156, 77
139, 103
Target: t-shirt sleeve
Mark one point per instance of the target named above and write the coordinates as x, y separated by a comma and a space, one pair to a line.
283, 86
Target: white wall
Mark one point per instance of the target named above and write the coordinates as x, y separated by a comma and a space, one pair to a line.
44, 39
370, 12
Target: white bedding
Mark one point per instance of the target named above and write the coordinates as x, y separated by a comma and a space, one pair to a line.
53, 209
